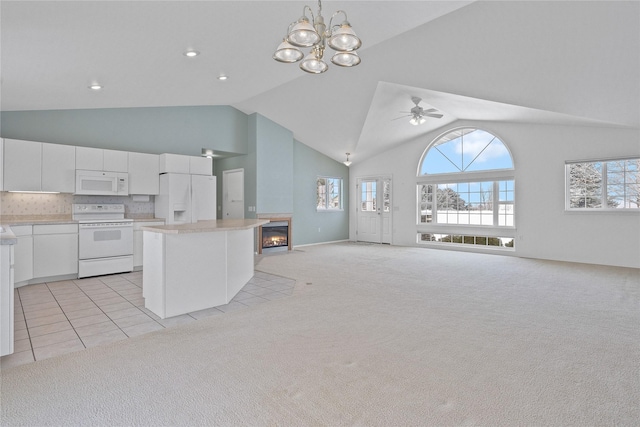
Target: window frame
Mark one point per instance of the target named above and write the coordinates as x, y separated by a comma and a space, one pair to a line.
484, 231
340, 195
603, 187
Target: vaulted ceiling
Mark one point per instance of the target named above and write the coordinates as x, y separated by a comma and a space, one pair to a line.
569, 62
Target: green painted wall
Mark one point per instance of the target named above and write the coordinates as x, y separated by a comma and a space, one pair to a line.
246, 162
180, 130
309, 225
274, 173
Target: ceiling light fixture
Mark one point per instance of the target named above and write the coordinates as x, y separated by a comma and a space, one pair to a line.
222, 77
347, 163
208, 152
301, 33
95, 86
417, 119
191, 53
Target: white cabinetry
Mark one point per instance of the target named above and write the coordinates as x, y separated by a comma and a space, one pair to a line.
1, 164
23, 163
97, 159
6, 299
174, 163
55, 250
37, 166
179, 163
143, 173
116, 161
200, 166
138, 239
58, 168
23, 253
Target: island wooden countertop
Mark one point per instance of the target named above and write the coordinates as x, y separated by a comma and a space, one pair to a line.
208, 226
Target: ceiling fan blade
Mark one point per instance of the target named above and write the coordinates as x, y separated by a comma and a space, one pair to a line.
430, 110
435, 116
401, 117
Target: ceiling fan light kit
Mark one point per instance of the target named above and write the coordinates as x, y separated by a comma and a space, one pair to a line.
418, 114
302, 34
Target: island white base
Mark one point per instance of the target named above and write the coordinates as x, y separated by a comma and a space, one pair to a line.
188, 272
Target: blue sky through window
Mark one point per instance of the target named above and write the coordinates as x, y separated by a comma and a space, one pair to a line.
466, 150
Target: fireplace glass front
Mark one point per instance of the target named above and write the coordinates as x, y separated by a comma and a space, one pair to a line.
275, 236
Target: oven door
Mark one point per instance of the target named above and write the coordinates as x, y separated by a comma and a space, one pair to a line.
105, 239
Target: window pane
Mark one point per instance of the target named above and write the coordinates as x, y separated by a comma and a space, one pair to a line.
425, 193
585, 185
466, 150
322, 194
368, 196
329, 193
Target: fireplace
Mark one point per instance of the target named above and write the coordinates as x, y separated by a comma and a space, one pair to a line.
275, 236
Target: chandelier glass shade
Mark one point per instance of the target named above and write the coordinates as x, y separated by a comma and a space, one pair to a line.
314, 34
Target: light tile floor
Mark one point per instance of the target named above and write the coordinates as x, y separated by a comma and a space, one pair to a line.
55, 318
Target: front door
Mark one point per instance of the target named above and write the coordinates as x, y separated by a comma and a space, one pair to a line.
374, 216
233, 194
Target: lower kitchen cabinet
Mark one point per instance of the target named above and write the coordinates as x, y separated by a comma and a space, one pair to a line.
23, 253
137, 240
55, 250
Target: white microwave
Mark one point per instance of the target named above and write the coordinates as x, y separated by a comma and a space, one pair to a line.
99, 183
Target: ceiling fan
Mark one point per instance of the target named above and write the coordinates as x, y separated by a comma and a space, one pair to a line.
418, 113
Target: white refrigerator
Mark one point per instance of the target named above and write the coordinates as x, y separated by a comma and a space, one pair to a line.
186, 198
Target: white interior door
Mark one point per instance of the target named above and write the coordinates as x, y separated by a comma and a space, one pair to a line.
233, 194
374, 214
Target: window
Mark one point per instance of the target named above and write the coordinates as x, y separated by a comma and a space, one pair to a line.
329, 194
465, 179
603, 185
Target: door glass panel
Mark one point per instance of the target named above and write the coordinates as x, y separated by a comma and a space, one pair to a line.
369, 202
386, 196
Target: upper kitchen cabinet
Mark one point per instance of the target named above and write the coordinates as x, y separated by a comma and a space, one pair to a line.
22, 165
37, 166
143, 173
179, 163
1, 164
58, 168
174, 163
116, 161
200, 165
97, 159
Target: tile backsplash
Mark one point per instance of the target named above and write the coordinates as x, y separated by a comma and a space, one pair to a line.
60, 204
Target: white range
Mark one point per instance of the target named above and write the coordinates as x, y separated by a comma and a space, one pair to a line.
105, 239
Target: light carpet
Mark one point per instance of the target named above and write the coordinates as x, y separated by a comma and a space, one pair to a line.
373, 335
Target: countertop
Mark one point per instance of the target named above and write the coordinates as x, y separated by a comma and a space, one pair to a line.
208, 226
7, 237
57, 219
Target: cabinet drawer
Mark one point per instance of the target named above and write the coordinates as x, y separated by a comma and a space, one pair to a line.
55, 229
22, 230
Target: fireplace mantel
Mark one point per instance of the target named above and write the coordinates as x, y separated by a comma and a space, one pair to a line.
275, 217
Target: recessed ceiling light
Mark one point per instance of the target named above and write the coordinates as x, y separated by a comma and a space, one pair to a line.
191, 53
223, 77
95, 86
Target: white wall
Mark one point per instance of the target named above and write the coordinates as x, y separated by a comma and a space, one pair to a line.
544, 229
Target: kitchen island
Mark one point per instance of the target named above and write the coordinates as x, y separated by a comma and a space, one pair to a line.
191, 267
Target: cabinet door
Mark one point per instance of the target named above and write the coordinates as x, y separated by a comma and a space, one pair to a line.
58, 168
55, 254
115, 161
138, 240
200, 166
143, 173
88, 158
22, 164
174, 163
23, 259
1, 164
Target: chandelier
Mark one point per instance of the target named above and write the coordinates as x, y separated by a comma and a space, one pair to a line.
301, 33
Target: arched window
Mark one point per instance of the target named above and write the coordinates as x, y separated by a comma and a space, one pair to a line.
466, 190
